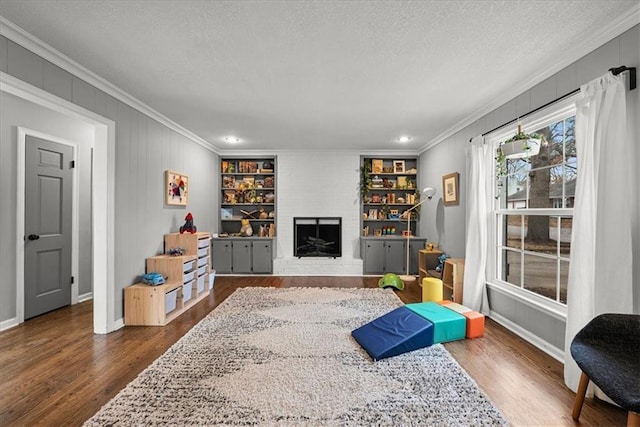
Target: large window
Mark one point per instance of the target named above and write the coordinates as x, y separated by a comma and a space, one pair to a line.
534, 209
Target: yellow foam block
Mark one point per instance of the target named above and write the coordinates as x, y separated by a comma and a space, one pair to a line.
431, 289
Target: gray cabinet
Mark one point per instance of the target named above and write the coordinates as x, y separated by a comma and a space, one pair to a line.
242, 255
221, 255
262, 256
388, 255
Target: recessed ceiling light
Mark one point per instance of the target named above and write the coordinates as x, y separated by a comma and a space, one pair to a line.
232, 139
404, 139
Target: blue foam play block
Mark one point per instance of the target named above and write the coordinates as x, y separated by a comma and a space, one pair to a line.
447, 324
394, 333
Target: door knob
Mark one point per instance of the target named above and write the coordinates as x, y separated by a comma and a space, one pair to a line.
33, 237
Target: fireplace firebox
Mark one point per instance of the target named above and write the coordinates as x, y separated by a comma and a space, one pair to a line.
317, 237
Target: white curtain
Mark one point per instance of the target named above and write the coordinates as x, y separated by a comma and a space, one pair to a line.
600, 271
479, 190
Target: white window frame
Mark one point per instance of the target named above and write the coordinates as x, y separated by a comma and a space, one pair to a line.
558, 111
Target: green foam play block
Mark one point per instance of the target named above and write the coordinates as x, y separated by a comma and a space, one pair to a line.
447, 324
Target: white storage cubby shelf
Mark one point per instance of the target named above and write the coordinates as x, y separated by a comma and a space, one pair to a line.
188, 281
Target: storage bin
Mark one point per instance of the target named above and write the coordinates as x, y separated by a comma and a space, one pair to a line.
188, 266
203, 261
201, 280
170, 299
203, 252
202, 270
186, 291
212, 275
203, 243
187, 277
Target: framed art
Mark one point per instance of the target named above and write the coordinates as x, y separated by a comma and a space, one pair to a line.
377, 166
450, 189
176, 188
398, 166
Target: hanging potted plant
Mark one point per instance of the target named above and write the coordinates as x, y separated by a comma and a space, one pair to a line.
521, 145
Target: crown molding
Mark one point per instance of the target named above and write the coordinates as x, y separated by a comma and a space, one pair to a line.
623, 23
21, 37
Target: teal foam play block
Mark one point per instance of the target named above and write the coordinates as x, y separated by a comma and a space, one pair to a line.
447, 324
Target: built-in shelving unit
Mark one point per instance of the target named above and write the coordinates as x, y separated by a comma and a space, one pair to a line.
248, 191
388, 189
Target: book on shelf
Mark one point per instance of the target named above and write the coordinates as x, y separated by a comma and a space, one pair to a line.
226, 213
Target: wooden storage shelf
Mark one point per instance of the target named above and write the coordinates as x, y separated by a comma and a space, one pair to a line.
146, 305
427, 263
453, 279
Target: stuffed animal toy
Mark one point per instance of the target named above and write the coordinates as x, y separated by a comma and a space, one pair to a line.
188, 225
245, 228
441, 259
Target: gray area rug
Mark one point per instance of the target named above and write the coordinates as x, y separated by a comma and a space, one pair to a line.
286, 357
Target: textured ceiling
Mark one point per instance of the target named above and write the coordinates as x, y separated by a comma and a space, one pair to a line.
316, 74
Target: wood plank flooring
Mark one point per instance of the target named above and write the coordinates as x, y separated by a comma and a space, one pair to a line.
55, 372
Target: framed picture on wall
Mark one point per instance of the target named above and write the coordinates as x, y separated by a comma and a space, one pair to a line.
450, 189
176, 188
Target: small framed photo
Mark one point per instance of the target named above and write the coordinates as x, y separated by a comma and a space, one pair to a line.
373, 214
450, 189
376, 166
176, 188
398, 166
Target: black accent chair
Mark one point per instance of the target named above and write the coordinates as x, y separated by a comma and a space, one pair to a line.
607, 350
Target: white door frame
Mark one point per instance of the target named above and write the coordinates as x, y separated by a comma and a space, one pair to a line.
20, 211
102, 194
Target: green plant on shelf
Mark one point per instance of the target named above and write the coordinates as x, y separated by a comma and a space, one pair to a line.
365, 179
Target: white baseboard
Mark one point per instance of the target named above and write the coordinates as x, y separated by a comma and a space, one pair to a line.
8, 324
118, 324
85, 297
541, 344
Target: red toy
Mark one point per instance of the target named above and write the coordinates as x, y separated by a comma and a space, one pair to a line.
188, 225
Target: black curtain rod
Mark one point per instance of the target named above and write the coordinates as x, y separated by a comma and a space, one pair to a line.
615, 71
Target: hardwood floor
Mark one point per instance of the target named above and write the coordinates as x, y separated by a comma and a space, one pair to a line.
54, 371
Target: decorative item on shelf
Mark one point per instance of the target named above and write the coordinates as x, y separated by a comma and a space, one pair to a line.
428, 192
188, 225
375, 198
398, 166
267, 167
269, 198
268, 182
365, 231
377, 166
226, 213
245, 228
248, 215
441, 259
229, 182
391, 198
230, 197
412, 171
376, 182
394, 214
263, 214
176, 251
272, 214
153, 279
402, 182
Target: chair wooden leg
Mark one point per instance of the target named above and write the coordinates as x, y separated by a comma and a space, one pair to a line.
633, 419
582, 390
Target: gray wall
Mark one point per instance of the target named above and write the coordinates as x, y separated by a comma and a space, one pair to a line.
443, 224
145, 148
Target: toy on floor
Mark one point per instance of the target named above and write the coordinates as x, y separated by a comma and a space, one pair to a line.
415, 326
391, 280
188, 225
